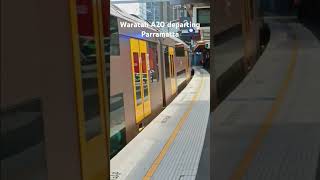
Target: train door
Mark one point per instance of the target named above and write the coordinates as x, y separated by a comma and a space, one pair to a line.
140, 76
172, 71
90, 86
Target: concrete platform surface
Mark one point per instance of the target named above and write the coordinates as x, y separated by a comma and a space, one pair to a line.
170, 146
269, 127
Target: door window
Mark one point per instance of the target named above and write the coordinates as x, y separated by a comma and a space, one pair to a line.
137, 77
88, 69
144, 77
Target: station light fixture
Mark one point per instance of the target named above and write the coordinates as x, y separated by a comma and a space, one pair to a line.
191, 30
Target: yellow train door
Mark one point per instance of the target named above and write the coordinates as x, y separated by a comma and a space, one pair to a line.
140, 78
172, 71
90, 86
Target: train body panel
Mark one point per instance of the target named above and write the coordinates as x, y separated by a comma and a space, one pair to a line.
168, 90
119, 75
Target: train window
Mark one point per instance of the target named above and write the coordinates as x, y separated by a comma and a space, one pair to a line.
89, 73
144, 77
114, 37
117, 124
179, 51
166, 61
172, 65
137, 78
153, 62
22, 142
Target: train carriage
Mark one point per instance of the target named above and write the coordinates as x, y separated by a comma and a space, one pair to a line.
145, 74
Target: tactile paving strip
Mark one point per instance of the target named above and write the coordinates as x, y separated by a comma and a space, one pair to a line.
183, 157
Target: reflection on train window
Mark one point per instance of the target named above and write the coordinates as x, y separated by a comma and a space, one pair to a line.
22, 142
179, 51
114, 36
137, 76
144, 77
107, 64
89, 73
153, 62
172, 65
106, 41
117, 124
166, 61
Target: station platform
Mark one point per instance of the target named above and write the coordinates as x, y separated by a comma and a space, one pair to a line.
170, 146
268, 128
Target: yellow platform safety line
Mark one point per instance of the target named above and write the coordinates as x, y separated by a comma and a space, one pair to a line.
172, 137
253, 148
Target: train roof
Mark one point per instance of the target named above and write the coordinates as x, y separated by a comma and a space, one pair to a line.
180, 42
117, 12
